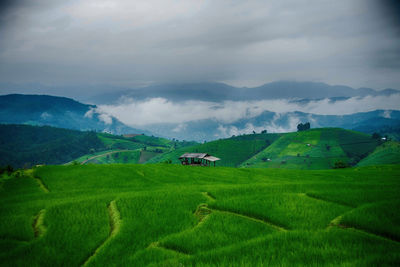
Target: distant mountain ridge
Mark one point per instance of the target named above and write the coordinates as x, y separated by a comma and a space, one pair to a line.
67, 113
216, 92
211, 129
58, 112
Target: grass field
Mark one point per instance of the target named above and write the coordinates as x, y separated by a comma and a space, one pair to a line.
232, 151
314, 149
137, 149
171, 215
387, 153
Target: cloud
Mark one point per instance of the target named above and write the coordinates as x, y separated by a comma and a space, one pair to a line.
179, 128
103, 116
387, 114
160, 110
126, 43
224, 131
107, 119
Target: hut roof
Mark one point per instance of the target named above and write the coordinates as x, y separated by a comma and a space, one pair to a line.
194, 155
211, 158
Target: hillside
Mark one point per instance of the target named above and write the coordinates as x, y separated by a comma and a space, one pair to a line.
24, 145
171, 215
387, 153
59, 112
314, 149
131, 149
232, 151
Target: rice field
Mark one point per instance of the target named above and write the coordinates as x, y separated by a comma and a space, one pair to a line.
171, 215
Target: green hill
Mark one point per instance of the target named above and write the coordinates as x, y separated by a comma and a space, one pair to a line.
172, 215
232, 151
127, 149
387, 153
24, 145
314, 149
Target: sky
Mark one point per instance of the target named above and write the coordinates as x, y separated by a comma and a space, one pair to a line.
73, 47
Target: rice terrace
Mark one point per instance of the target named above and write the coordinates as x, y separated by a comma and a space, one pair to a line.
188, 133
299, 213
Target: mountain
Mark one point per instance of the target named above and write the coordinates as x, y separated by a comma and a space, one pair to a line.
216, 92
58, 112
211, 129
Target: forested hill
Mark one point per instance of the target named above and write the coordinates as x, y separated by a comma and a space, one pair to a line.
58, 112
25, 145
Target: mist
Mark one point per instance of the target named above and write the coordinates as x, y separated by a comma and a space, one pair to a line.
160, 110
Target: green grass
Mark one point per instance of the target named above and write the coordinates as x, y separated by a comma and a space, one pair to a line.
232, 151
387, 153
314, 149
118, 142
118, 157
172, 215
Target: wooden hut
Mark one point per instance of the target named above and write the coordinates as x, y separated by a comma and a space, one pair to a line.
198, 159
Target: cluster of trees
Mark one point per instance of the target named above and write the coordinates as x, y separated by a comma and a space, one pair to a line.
26, 146
377, 136
6, 169
303, 127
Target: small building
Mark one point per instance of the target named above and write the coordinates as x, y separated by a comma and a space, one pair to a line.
198, 159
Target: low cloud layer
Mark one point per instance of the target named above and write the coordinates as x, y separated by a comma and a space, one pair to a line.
159, 110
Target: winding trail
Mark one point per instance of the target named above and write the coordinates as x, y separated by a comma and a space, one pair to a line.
105, 154
158, 246
335, 222
41, 184
115, 225
30, 173
208, 196
38, 227
212, 198
270, 224
326, 200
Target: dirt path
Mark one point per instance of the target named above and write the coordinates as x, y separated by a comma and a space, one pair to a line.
38, 227
105, 154
115, 224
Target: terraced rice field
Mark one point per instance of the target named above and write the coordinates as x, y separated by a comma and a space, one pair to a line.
171, 215
314, 149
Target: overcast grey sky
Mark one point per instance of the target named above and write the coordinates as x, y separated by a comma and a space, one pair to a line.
132, 43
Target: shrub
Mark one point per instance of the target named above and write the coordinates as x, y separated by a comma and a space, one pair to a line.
340, 165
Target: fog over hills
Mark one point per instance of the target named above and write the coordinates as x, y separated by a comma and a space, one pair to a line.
216, 92
208, 111
58, 112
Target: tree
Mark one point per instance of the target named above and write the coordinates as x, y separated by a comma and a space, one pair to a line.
340, 164
254, 132
376, 136
303, 127
264, 131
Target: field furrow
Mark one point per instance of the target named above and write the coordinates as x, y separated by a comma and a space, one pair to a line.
310, 195
271, 224
38, 226
115, 224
